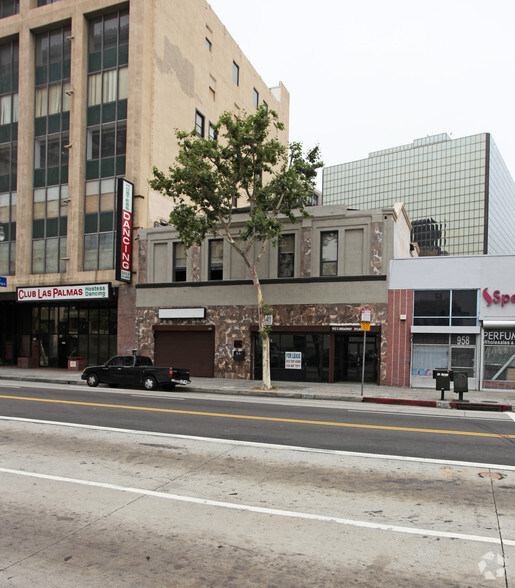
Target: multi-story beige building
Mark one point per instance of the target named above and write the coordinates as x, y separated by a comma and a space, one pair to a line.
199, 308
91, 92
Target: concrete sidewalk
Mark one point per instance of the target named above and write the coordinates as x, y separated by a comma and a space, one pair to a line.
486, 400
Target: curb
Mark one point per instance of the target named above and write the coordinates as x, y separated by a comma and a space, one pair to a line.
456, 404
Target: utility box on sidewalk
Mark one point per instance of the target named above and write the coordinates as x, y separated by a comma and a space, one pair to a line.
77, 364
461, 383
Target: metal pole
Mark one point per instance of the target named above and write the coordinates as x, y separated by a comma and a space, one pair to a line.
363, 366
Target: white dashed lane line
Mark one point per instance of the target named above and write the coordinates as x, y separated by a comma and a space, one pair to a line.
266, 511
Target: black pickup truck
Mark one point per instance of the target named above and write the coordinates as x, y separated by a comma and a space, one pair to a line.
134, 370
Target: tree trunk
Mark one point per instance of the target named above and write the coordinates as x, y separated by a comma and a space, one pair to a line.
265, 339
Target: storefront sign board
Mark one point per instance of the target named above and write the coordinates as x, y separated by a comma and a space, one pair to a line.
53, 293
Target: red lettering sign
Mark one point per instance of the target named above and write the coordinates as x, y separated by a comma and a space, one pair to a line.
498, 297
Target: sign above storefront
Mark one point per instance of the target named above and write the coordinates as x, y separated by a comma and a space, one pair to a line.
497, 297
501, 337
53, 293
182, 313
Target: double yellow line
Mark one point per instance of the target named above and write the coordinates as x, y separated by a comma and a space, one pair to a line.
263, 418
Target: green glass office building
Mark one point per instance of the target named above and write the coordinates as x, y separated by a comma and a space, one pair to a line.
458, 193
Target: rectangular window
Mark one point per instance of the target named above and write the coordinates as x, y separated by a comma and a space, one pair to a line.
106, 137
442, 351
199, 123
179, 262
445, 308
499, 355
209, 45
329, 253
286, 265
255, 98
212, 131
216, 259
236, 73
9, 7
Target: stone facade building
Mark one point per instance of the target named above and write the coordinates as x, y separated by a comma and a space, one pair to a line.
91, 92
198, 309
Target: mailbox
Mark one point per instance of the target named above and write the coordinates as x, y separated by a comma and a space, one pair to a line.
443, 380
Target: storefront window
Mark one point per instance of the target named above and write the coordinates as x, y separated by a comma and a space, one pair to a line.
442, 351
499, 355
295, 357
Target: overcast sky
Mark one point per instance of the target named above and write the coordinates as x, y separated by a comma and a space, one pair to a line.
365, 75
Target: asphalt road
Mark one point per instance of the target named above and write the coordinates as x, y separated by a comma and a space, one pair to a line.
438, 434
137, 494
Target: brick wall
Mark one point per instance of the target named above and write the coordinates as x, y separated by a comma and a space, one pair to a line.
398, 362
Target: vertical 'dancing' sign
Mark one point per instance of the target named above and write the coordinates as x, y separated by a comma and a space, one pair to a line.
124, 231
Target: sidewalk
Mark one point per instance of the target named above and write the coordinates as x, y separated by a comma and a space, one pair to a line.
485, 400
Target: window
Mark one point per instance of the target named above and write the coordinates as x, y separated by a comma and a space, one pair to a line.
199, 123
443, 351
329, 253
45, 2
255, 98
9, 7
499, 355
179, 262
445, 307
286, 265
209, 45
213, 135
236, 73
216, 259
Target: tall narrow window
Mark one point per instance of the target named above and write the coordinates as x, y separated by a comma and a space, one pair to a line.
286, 266
213, 135
329, 253
236, 73
8, 154
209, 45
255, 98
199, 123
51, 143
216, 259
106, 136
179, 262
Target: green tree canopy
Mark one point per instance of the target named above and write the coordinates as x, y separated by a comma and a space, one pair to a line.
245, 162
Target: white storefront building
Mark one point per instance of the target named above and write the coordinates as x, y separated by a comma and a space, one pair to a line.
455, 312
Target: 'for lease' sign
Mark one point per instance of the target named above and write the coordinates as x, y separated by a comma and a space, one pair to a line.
293, 360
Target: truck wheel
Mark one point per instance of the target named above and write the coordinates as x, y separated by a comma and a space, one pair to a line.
149, 383
92, 380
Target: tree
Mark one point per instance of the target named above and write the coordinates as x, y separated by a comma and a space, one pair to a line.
244, 160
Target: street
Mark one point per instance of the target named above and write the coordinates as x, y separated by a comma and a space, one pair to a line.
119, 488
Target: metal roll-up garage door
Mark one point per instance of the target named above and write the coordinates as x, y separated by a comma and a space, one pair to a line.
186, 349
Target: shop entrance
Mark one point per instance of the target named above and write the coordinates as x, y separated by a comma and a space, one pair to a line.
348, 357
86, 330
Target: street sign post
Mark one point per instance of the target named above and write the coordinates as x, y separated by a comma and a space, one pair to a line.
366, 316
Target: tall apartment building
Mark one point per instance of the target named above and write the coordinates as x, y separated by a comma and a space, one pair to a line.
91, 92
459, 194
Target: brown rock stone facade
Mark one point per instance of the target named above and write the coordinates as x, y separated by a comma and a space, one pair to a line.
233, 323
